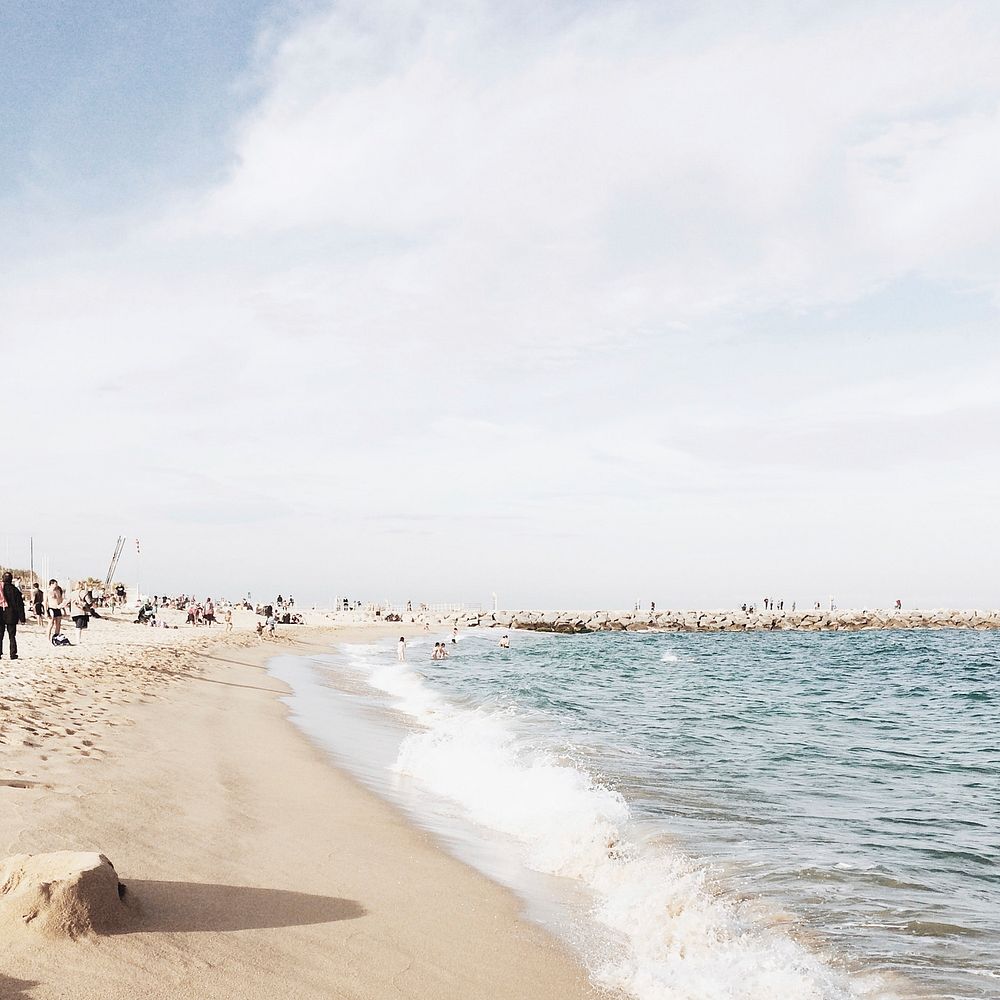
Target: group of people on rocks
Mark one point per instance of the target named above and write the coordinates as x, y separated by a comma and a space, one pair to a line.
769, 605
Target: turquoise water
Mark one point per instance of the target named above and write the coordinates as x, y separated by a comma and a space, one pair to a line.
854, 780
749, 817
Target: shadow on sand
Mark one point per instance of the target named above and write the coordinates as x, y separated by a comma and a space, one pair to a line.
15, 989
199, 906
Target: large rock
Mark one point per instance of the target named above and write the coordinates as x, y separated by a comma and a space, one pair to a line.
65, 894
811, 620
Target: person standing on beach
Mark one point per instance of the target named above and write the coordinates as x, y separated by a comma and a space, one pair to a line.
55, 601
13, 613
80, 611
38, 603
229, 619
401, 649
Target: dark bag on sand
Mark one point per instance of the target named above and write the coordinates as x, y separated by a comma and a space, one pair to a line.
60, 640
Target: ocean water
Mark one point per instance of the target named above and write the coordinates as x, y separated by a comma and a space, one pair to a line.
704, 817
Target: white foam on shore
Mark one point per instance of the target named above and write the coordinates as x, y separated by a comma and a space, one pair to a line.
669, 932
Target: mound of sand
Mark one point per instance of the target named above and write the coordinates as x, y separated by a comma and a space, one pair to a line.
65, 894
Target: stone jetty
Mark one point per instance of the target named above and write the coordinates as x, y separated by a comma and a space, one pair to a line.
575, 622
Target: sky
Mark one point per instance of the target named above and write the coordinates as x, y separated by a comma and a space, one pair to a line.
578, 304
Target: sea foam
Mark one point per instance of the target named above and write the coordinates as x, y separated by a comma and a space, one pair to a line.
666, 931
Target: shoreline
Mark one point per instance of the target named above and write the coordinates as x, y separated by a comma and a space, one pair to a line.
680, 886
256, 866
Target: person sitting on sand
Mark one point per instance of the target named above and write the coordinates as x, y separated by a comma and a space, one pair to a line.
55, 602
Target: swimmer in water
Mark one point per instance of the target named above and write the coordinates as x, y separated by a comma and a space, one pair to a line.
504, 643
454, 634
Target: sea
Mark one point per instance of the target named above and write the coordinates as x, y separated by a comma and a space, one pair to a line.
770, 816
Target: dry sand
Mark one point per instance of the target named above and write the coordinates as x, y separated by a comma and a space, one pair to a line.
254, 867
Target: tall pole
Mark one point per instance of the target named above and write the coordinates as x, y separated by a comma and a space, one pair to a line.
31, 557
113, 566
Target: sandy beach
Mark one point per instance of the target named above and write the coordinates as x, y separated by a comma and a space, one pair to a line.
254, 868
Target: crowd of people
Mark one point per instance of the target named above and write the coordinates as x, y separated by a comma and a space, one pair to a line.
51, 606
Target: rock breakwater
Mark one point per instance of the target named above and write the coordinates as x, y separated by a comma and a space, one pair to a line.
576, 622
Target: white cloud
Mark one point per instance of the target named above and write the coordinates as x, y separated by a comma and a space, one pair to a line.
498, 265
667, 173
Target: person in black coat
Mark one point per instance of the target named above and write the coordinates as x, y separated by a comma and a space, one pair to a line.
13, 613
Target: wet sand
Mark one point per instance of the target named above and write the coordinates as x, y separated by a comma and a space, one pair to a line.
254, 867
